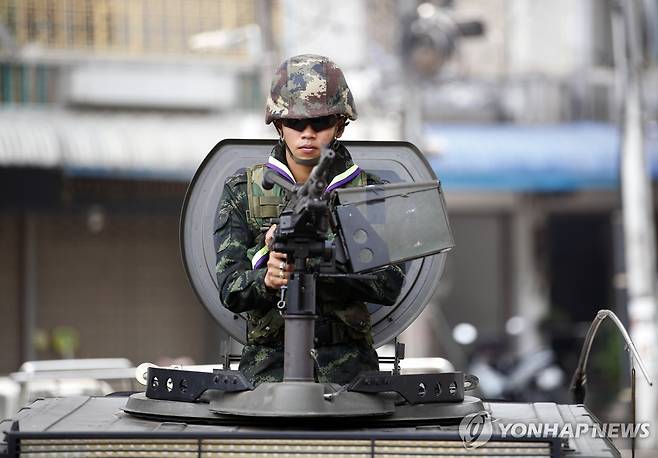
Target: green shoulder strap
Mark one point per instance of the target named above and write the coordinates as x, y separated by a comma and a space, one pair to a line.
262, 203
361, 180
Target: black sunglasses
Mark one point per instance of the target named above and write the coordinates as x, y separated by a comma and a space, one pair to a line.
318, 124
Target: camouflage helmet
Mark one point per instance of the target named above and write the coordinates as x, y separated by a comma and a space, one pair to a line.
309, 86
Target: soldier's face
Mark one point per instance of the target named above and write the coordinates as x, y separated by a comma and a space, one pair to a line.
307, 144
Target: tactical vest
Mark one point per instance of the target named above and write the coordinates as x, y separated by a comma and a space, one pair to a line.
265, 205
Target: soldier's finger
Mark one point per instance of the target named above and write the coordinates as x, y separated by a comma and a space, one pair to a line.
276, 283
275, 260
271, 281
274, 263
270, 234
278, 255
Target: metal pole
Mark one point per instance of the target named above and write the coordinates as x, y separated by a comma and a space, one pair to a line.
29, 284
412, 120
269, 57
637, 205
297, 360
412, 106
299, 326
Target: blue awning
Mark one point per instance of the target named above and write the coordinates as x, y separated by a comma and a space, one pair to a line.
544, 158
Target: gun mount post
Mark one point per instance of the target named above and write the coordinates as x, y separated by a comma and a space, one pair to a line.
301, 234
299, 325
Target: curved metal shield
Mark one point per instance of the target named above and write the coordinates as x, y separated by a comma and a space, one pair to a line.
391, 161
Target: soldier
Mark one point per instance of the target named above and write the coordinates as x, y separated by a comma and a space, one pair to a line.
310, 105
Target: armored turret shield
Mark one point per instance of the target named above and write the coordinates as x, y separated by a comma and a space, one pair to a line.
395, 162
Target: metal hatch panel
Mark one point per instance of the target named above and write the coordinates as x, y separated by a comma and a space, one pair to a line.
391, 161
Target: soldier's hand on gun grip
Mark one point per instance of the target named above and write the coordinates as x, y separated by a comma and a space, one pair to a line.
278, 269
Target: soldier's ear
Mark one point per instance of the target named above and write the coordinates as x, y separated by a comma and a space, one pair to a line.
340, 128
279, 130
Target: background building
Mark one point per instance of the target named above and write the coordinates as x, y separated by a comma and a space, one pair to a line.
109, 106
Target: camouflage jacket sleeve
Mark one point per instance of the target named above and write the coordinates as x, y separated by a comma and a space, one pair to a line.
241, 288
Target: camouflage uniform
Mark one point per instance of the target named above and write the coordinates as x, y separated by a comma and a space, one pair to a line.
305, 86
343, 329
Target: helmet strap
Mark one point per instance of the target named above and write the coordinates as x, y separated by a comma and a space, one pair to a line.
299, 160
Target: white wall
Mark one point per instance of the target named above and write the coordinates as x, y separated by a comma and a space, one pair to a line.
333, 29
551, 37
